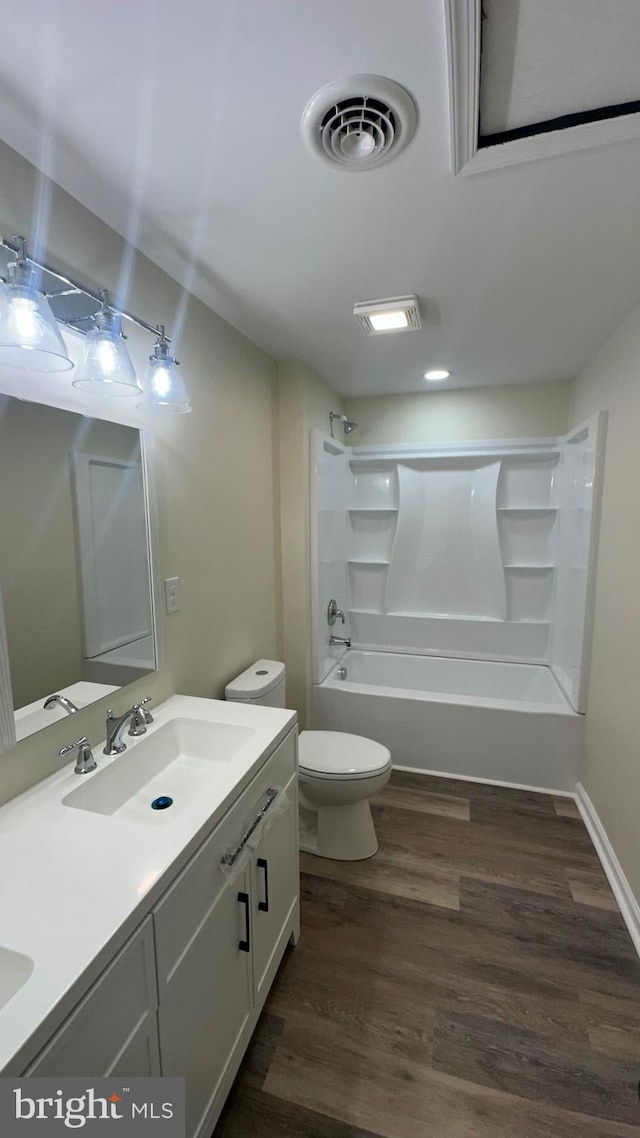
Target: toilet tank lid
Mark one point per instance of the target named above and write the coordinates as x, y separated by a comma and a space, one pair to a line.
257, 680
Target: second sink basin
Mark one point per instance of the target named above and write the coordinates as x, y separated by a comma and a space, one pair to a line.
178, 760
15, 970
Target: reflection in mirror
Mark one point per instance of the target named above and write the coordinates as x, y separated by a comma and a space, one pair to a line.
74, 564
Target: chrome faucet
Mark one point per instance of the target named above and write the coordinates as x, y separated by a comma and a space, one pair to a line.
68, 706
346, 641
138, 719
85, 760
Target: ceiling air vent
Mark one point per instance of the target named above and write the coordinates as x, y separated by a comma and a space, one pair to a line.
359, 123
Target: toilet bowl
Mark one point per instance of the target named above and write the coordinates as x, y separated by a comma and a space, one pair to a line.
338, 773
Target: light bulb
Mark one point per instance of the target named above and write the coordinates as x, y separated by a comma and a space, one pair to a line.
23, 320
106, 357
160, 381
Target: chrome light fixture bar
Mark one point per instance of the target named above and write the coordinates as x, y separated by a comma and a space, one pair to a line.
90, 312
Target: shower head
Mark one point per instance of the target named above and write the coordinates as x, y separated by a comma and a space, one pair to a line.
347, 424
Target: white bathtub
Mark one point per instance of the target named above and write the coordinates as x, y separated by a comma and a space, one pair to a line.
468, 718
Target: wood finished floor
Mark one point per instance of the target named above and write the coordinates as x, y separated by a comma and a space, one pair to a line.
473, 980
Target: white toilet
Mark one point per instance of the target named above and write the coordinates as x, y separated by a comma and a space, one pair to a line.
338, 773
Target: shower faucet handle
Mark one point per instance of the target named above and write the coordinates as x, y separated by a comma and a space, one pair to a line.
333, 612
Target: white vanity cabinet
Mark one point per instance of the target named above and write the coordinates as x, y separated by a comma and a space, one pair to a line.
113, 1030
183, 996
220, 933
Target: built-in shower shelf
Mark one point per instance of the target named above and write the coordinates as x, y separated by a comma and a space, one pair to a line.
528, 567
527, 509
369, 561
373, 510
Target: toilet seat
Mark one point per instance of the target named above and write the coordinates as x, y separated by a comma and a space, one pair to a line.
338, 755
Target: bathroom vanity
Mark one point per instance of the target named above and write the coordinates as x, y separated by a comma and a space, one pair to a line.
139, 941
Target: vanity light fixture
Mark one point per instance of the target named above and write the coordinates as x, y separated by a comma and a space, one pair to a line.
29, 335
106, 367
395, 314
163, 386
436, 374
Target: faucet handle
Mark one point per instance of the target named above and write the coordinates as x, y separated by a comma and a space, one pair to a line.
333, 613
85, 760
140, 718
148, 717
147, 699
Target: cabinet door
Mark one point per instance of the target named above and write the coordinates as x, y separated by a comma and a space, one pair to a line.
206, 1003
274, 892
113, 1030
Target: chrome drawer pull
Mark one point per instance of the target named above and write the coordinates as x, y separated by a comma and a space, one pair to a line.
270, 797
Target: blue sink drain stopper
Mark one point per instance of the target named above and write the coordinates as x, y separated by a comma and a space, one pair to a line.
162, 803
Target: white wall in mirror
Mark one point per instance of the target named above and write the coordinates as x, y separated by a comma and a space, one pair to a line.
60, 545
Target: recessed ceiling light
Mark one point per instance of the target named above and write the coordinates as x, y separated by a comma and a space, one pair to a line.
436, 374
395, 314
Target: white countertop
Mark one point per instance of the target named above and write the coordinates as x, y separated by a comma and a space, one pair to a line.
75, 884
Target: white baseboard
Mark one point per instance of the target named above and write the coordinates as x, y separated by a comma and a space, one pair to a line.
485, 781
622, 891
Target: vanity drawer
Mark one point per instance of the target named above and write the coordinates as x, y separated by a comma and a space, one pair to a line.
185, 907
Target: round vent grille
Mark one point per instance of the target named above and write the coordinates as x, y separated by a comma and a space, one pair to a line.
360, 122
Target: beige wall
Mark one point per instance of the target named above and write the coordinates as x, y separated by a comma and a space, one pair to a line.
305, 403
215, 476
611, 775
38, 557
525, 410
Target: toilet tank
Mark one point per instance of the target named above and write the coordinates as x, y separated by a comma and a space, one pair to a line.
263, 683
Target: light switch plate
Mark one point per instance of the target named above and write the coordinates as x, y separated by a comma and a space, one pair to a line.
172, 594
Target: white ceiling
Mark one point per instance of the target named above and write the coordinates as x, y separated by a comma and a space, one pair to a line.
178, 123
545, 58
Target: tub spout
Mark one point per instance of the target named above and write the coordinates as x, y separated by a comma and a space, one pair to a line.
340, 640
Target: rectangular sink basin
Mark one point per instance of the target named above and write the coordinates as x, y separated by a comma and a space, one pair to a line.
180, 760
15, 970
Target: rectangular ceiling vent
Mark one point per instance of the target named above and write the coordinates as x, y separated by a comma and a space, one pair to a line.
394, 314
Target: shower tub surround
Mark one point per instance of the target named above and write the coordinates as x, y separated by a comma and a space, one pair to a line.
481, 555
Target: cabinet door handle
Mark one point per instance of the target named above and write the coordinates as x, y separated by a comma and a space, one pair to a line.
264, 905
245, 945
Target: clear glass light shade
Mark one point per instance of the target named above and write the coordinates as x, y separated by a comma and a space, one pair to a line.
29, 335
163, 387
106, 367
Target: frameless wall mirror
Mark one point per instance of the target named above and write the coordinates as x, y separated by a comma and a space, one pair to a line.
75, 564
